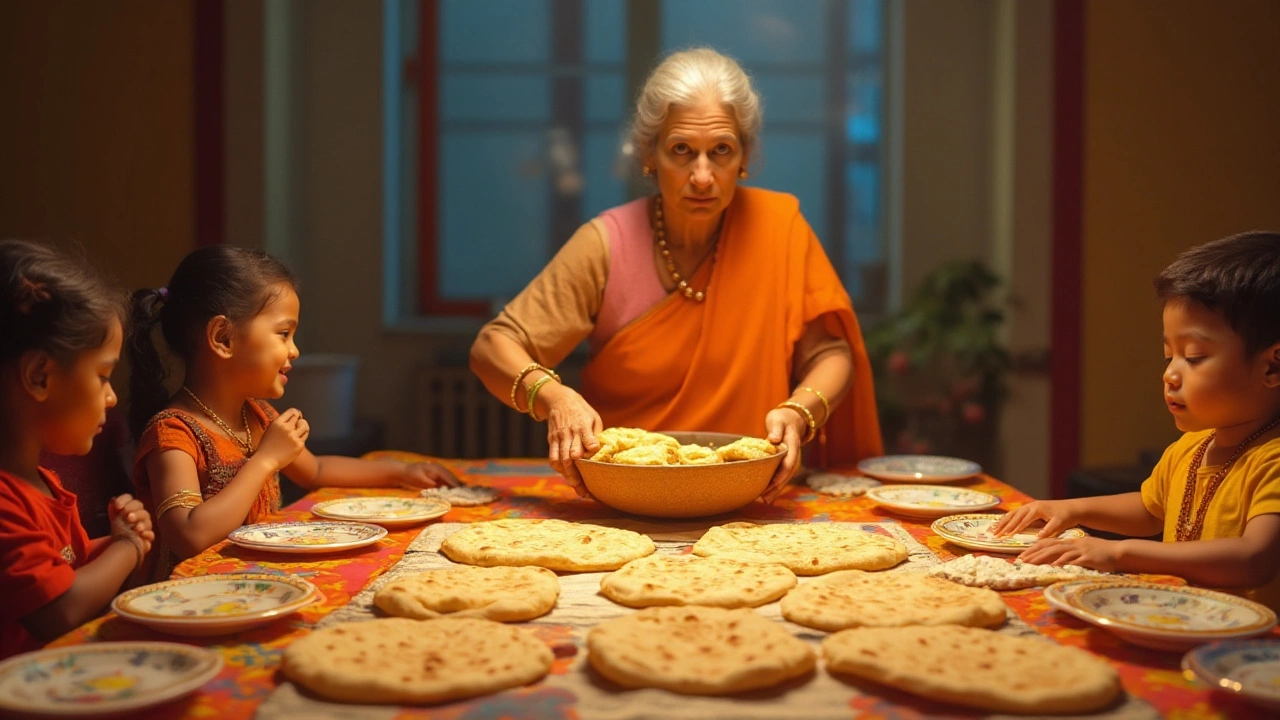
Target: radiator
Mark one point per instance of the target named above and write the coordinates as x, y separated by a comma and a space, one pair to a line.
455, 417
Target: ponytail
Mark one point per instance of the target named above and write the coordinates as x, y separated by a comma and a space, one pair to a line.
147, 392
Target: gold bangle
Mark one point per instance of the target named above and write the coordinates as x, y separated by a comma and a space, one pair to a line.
826, 408
516, 385
808, 416
533, 393
182, 498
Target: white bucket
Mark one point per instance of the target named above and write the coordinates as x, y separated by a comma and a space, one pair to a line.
323, 387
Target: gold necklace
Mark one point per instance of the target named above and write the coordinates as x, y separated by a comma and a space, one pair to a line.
1188, 531
660, 232
247, 444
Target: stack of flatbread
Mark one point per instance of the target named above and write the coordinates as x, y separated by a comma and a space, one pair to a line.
805, 548
999, 574
633, 446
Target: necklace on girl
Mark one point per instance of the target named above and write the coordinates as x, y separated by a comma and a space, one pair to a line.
245, 444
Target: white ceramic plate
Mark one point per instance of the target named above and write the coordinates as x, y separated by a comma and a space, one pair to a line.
102, 679
215, 604
930, 500
384, 511
1248, 668
1165, 617
974, 532
306, 537
919, 468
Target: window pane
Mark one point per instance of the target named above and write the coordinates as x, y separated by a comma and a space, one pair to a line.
604, 168
606, 97
791, 97
493, 213
865, 26
863, 108
752, 31
794, 163
606, 37
488, 31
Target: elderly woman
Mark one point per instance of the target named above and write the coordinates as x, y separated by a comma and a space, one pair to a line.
706, 307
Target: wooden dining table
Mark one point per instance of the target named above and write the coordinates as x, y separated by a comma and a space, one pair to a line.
529, 489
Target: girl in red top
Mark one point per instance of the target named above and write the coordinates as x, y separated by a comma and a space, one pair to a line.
61, 326
208, 454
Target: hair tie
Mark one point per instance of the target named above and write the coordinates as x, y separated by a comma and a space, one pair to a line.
164, 293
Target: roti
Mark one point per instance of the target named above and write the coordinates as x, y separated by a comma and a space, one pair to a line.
401, 661
853, 598
504, 594
805, 548
976, 668
686, 580
697, 650
999, 574
552, 544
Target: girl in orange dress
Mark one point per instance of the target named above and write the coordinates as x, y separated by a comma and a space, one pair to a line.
209, 454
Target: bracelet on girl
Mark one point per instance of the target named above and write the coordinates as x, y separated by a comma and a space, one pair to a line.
826, 407
533, 394
137, 547
808, 417
182, 498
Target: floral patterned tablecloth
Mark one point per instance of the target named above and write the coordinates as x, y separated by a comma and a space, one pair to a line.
530, 489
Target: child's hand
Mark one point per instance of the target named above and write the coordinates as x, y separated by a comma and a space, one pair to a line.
284, 439
1055, 513
428, 474
1087, 552
129, 518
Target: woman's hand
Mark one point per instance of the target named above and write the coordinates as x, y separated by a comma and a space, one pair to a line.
1056, 514
572, 429
787, 427
284, 439
1089, 552
428, 475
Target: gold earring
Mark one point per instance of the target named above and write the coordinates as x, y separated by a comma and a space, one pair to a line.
646, 170
742, 173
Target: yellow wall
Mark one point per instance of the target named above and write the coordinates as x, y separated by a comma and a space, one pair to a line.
1182, 110
96, 130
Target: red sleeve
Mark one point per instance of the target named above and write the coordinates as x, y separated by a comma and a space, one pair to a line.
34, 571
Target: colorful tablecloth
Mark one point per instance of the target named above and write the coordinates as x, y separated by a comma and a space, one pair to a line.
530, 489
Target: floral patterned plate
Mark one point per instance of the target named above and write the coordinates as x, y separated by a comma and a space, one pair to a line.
930, 500
974, 532
215, 604
919, 468
1163, 617
102, 679
385, 511
1248, 668
306, 537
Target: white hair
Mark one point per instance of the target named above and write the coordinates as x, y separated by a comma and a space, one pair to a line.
687, 78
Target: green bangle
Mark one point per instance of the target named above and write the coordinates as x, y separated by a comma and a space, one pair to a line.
533, 393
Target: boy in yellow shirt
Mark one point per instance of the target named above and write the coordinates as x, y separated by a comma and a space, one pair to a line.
1222, 385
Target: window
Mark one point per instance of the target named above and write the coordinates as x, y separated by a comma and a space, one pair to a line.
509, 130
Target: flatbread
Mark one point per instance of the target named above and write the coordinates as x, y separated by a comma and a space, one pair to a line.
686, 580
504, 594
976, 668
747, 448
842, 485
805, 548
464, 496
698, 455
853, 598
697, 650
398, 661
1000, 574
648, 455
552, 544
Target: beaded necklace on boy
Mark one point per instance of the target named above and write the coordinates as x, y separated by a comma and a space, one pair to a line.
247, 444
660, 232
1192, 532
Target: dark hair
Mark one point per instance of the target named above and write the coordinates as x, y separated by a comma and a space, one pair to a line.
53, 301
1238, 276
211, 281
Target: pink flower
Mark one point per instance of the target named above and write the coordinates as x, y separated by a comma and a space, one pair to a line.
922, 447
973, 413
899, 363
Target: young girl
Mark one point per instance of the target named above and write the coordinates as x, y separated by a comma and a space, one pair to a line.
208, 454
61, 330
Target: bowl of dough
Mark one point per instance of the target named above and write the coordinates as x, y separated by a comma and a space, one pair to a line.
679, 474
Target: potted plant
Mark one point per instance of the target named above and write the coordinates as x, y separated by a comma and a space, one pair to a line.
940, 368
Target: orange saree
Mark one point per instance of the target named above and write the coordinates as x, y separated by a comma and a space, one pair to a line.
721, 365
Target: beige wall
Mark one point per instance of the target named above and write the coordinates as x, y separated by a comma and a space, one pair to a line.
1182, 106
96, 130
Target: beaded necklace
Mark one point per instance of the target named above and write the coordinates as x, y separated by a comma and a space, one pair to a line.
660, 232
246, 444
1191, 531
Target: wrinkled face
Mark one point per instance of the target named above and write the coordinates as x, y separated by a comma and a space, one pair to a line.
264, 350
697, 157
1209, 379
79, 394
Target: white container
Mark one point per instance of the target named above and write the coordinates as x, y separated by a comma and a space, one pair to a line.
323, 387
